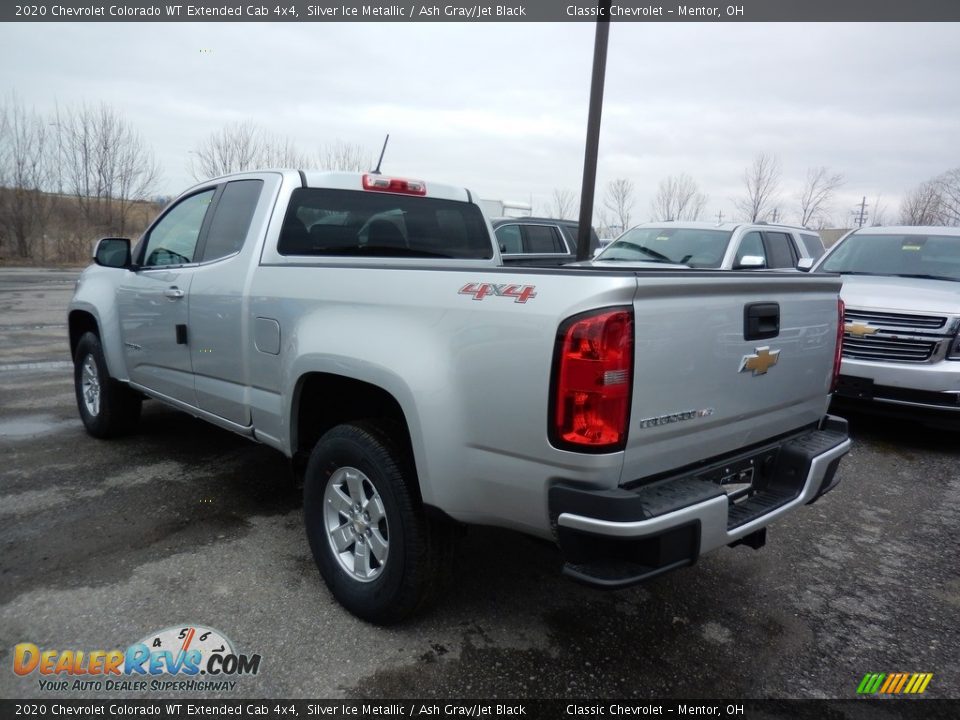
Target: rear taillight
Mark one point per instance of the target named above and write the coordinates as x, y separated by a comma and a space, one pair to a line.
592, 380
838, 350
394, 185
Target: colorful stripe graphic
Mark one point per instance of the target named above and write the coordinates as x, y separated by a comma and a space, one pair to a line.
894, 683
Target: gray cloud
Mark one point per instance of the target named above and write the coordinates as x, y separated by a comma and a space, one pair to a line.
502, 107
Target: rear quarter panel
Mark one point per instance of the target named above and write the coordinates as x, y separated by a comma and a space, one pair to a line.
472, 376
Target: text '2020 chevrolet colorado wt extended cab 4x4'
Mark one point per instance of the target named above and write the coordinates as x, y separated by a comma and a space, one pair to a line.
364, 326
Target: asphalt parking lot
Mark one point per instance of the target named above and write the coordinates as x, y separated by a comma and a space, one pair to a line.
102, 543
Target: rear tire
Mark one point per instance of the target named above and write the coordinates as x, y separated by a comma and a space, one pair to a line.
376, 549
107, 407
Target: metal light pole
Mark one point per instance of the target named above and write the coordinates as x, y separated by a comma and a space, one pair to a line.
593, 129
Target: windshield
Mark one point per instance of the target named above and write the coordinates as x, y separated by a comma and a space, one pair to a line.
926, 256
700, 248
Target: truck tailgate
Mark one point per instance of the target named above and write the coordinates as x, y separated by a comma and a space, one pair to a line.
702, 387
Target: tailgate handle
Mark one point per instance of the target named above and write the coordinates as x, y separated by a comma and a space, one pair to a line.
761, 320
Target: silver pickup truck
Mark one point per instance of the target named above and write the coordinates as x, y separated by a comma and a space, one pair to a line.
365, 327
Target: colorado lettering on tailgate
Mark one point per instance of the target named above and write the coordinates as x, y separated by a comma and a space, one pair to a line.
521, 293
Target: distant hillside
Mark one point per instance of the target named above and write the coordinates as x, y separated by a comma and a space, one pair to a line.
51, 228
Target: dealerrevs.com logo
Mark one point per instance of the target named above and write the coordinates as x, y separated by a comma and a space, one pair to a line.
186, 657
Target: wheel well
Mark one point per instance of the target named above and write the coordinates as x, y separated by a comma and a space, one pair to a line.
81, 322
325, 400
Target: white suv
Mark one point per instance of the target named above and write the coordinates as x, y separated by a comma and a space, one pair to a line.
901, 348
726, 246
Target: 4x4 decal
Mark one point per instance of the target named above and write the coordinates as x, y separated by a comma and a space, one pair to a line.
520, 293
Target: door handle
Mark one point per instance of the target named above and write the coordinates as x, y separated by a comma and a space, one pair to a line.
761, 320
174, 293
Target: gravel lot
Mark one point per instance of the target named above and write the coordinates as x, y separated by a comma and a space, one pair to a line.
105, 542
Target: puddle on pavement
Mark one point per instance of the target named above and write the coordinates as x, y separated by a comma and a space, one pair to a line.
29, 425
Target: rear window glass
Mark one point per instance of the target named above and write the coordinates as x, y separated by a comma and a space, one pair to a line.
376, 224
510, 240
543, 239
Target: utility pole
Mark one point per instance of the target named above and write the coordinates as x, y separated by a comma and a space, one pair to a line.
861, 215
593, 128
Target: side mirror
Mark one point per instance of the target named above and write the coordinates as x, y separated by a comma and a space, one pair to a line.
751, 262
112, 252
805, 264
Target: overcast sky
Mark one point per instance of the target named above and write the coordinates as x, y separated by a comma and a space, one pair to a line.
501, 108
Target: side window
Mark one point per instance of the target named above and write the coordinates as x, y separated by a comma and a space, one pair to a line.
509, 238
812, 244
173, 240
231, 219
542, 239
750, 244
780, 249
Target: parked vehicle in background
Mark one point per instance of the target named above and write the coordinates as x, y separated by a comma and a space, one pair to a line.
725, 246
365, 327
901, 346
539, 241
504, 208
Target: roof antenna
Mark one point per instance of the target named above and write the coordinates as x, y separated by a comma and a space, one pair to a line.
376, 171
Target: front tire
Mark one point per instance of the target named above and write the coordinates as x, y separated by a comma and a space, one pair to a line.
372, 542
107, 407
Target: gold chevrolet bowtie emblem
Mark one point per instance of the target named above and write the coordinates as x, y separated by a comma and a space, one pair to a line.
761, 361
859, 329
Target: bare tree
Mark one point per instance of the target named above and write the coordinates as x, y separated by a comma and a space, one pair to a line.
245, 146
564, 204
4, 154
817, 193
923, 205
25, 167
879, 215
4, 143
348, 157
604, 224
233, 148
823, 221
933, 202
619, 200
949, 187
762, 180
106, 165
281, 152
678, 198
